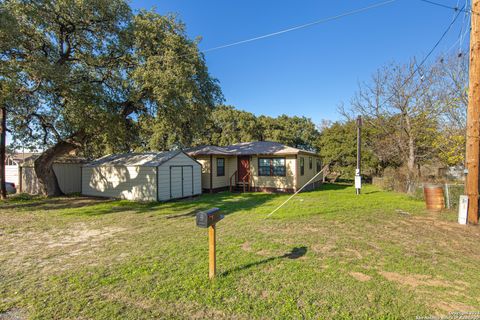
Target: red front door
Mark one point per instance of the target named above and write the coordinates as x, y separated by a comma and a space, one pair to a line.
243, 168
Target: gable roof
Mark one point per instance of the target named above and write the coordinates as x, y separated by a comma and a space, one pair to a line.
147, 159
21, 157
207, 150
248, 148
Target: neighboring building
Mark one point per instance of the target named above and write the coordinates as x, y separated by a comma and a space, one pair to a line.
153, 176
68, 171
257, 166
12, 165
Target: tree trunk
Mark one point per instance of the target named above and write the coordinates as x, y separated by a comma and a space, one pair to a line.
3, 138
411, 160
44, 168
411, 166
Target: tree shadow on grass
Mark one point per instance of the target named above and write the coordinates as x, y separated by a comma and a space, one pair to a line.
229, 203
296, 253
334, 186
55, 203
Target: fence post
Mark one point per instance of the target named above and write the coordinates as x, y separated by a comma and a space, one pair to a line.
447, 195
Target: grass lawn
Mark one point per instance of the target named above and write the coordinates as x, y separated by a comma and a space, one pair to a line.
327, 254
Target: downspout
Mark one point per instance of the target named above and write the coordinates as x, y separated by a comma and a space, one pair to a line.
211, 173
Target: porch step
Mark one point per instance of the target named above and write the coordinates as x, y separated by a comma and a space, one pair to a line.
239, 187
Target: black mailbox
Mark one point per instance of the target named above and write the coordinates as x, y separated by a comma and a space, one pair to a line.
208, 218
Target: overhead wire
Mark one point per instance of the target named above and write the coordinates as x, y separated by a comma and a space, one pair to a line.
302, 26
438, 4
417, 68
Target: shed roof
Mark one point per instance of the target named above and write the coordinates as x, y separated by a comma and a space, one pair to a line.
147, 159
248, 148
29, 162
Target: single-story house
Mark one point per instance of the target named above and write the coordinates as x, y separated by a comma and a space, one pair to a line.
257, 166
68, 171
152, 176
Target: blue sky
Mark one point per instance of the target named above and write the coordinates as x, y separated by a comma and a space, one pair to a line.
310, 71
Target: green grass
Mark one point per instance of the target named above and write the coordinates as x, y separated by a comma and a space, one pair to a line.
326, 254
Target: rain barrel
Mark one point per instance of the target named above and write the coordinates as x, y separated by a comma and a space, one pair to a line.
434, 197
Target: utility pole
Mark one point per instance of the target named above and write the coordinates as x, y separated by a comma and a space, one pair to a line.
472, 156
358, 177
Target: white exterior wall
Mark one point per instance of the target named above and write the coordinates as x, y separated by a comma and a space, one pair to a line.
68, 175
131, 183
11, 174
164, 177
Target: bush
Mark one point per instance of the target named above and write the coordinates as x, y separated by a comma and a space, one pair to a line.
22, 197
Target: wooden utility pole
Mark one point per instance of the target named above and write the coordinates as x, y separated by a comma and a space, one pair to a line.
472, 157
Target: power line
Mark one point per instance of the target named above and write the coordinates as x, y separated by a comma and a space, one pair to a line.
302, 26
449, 7
429, 53
404, 83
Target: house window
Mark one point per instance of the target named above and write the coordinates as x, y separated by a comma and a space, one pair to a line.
319, 165
310, 163
302, 166
271, 167
220, 167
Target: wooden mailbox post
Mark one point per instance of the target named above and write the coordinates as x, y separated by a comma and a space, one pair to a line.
208, 219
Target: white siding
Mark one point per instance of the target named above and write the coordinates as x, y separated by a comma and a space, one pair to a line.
68, 175
164, 178
11, 174
132, 183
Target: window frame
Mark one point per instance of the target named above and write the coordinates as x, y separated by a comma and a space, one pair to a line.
319, 165
272, 167
302, 166
223, 167
310, 163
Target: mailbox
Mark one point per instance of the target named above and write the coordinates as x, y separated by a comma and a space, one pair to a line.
208, 218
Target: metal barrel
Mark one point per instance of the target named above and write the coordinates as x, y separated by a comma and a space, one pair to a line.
434, 198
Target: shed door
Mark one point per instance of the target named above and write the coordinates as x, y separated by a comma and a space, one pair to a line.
181, 181
176, 182
187, 181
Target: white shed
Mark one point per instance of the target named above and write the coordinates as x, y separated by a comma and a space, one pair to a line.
67, 169
153, 176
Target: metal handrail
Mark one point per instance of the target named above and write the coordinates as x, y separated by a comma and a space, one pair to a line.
249, 175
233, 175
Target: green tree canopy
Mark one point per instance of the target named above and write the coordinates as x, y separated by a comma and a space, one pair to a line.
88, 71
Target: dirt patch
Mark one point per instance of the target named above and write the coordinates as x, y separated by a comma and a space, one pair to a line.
354, 253
56, 249
361, 276
246, 247
170, 309
415, 280
14, 314
82, 233
453, 306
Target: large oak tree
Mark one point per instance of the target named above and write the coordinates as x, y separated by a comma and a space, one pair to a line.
89, 70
